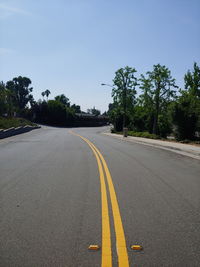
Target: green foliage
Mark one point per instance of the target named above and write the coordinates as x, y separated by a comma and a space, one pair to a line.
46, 93
124, 91
192, 81
164, 125
53, 112
6, 123
56, 112
186, 116
157, 95
138, 134
123, 94
63, 100
20, 92
115, 114
7, 101
142, 119
94, 111
186, 111
3, 106
76, 108
143, 134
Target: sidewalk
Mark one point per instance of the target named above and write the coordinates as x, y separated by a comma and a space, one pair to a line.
192, 151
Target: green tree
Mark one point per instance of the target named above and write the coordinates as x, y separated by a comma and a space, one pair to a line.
192, 81
186, 111
76, 108
43, 95
20, 91
158, 92
123, 93
2, 98
94, 111
47, 93
63, 100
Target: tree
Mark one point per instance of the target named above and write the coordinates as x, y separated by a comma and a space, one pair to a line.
124, 92
94, 111
186, 111
43, 94
20, 90
76, 108
157, 92
192, 81
63, 100
3, 108
47, 93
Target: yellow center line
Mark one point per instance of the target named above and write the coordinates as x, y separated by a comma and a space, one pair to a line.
119, 231
106, 260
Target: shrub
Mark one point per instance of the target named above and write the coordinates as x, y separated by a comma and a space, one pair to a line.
6, 123
143, 134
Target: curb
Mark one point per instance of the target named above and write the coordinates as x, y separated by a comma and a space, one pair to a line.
14, 131
191, 154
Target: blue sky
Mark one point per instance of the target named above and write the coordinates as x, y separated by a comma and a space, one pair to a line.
72, 46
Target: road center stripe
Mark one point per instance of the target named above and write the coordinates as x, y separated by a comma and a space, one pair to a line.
119, 231
106, 260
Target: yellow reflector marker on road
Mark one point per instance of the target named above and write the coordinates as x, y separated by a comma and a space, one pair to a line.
136, 247
94, 247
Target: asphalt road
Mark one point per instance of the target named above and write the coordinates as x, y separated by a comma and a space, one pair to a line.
50, 200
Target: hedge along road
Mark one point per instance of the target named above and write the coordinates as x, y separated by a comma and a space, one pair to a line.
119, 231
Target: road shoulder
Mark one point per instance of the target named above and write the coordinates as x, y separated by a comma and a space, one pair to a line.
183, 149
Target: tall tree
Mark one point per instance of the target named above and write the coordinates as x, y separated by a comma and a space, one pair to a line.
192, 81
94, 111
158, 91
47, 93
21, 91
76, 108
124, 92
43, 94
2, 98
63, 100
186, 111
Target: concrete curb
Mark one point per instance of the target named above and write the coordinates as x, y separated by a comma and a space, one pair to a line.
14, 131
183, 149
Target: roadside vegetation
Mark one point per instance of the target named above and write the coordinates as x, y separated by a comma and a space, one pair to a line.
16, 102
6, 123
150, 105
153, 106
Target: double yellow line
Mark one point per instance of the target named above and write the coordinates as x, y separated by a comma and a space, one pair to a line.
119, 231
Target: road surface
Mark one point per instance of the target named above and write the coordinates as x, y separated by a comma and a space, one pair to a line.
54, 188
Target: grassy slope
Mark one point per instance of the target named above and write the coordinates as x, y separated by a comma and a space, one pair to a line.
6, 123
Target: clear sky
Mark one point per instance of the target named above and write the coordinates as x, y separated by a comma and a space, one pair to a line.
72, 46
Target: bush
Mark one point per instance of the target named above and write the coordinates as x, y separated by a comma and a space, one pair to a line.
185, 117
143, 134
164, 125
138, 134
6, 123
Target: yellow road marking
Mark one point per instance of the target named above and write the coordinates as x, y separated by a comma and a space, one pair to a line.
120, 237
119, 231
106, 260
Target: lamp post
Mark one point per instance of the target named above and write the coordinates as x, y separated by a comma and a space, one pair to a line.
125, 129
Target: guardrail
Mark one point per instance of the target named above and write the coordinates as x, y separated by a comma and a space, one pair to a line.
14, 131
